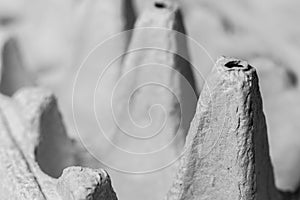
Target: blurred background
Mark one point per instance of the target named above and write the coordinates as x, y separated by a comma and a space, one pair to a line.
43, 43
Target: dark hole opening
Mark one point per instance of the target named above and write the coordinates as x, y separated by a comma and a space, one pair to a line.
160, 5
235, 63
292, 77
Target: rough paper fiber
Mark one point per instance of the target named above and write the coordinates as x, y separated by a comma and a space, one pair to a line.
227, 153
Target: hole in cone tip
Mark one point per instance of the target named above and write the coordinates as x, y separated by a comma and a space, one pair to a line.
292, 78
160, 5
236, 63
